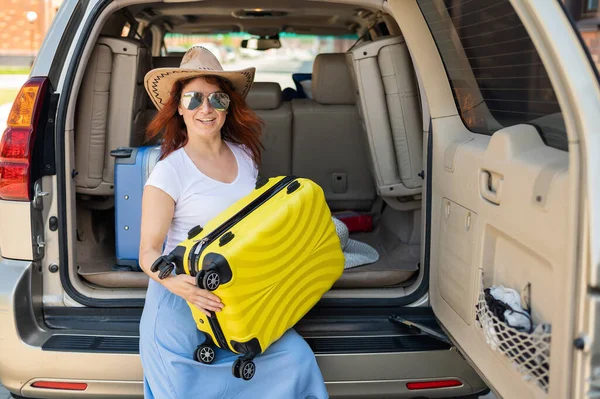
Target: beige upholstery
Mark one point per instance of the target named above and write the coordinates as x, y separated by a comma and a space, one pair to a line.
264, 96
265, 99
328, 137
387, 97
331, 83
110, 114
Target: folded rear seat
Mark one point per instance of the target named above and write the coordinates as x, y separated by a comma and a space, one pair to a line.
110, 111
265, 99
388, 100
328, 138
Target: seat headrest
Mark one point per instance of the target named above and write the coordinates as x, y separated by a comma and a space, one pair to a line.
168, 61
331, 82
264, 96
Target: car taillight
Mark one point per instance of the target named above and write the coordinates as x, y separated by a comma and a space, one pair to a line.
16, 146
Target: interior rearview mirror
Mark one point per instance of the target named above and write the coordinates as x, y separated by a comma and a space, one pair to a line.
261, 44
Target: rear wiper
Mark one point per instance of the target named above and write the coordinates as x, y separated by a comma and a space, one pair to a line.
420, 327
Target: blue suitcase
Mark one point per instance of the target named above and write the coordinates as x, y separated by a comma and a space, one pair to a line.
132, 168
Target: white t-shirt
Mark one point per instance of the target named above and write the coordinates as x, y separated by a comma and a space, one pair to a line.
198, 198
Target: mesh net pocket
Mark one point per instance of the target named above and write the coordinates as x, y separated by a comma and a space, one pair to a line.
528, 352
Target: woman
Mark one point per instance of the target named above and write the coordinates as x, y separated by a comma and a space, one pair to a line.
210, 153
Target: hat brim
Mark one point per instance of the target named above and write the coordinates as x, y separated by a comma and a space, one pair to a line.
159, 81
356, 253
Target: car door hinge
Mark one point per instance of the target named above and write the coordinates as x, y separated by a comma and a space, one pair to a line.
421, 174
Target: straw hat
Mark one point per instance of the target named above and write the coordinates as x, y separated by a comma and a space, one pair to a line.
197, 61
356, 253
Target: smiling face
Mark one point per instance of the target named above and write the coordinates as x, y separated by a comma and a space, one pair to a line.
204, 121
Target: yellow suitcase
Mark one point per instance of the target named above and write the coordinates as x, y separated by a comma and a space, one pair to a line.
270, 257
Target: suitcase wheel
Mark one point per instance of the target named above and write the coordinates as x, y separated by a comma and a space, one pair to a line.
243, 369
211, 280
204, 354
247, 369
199, 277
164, 272
164, 266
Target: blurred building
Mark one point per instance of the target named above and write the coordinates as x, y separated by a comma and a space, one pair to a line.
20, 37
587, 18
23, 25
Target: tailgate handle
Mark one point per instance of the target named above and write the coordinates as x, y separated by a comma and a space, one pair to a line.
490, 186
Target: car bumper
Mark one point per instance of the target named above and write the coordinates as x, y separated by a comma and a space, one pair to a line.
25, 357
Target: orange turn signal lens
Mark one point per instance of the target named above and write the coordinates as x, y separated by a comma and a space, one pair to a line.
22, 111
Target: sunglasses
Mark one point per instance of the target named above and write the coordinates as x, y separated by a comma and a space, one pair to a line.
193, 99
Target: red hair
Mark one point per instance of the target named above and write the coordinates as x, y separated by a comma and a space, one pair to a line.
242, 125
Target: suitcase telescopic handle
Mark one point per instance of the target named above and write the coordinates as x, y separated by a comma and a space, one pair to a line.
121, 152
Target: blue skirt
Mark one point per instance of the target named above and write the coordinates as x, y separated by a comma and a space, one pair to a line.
169, 337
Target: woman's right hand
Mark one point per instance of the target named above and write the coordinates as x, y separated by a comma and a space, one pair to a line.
185, 286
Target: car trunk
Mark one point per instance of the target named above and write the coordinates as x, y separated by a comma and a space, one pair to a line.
395, 237
321, 138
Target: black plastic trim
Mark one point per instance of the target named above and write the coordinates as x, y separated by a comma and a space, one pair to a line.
92, 344
62, 177
251, 347
407, 343
48, 166
41, 132
97, 320
216, 328
217, 261
356, 320
67, 38
319, 345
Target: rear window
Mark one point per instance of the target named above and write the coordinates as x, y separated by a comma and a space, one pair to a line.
296, 55
497, 77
